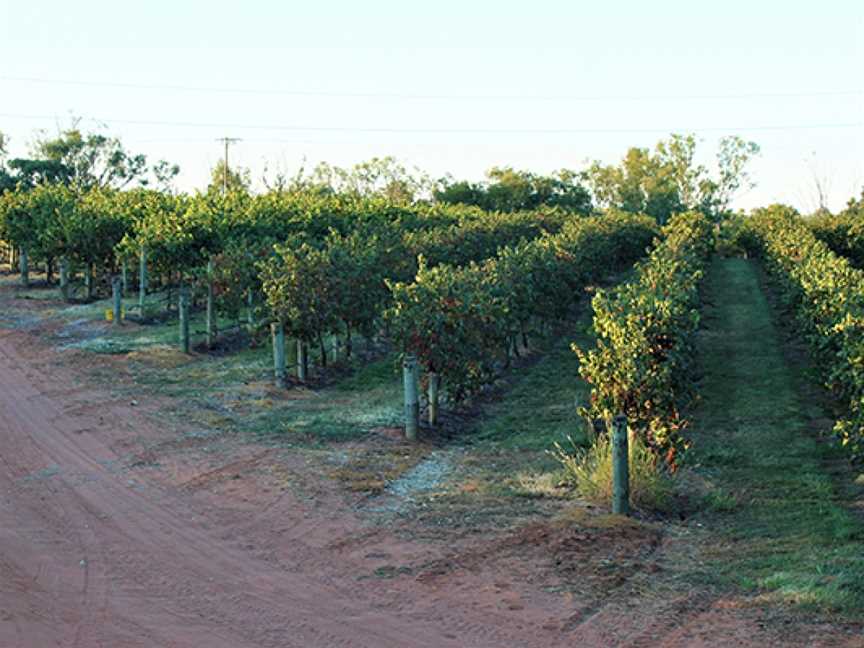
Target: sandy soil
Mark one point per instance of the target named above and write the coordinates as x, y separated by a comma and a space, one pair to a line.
116, 532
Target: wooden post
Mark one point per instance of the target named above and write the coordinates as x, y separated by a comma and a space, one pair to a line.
250, 311
335, 345
88, 280
142, 280
211, 308
620, 466
277, 333
64, 278
412, 402
24, 266
124, 279
116, 297
434, 383
302, 362
184, 319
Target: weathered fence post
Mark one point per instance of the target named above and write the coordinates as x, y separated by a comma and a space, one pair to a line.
116, 297
620, 466
412, 402
142, 280
24, 266
335, 347
302, 361
434, 383
277, 333
250, 311
89, 280
184, 319
64, 278
211, 308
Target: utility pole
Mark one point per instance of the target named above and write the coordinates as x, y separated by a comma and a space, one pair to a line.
227, 141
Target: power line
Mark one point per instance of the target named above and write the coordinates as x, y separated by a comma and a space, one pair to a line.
454, 131
436, 97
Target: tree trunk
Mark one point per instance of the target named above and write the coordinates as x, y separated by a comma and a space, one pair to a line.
88, 281
323, 349
348, 345
142, 281
250, 311
64, 278
302, 362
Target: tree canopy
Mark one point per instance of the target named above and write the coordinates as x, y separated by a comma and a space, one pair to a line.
507, 189
668, 180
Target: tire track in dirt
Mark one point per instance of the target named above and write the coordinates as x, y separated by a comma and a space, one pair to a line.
156, 570
122, 536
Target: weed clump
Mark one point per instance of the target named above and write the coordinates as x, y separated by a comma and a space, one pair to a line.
589, 470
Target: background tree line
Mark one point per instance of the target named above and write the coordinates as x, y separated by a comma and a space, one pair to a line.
659, 182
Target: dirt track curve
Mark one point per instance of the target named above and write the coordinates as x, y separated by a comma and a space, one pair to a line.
90, 557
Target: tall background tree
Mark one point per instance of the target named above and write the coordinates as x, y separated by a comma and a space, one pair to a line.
95, 160
668, 180
230, 178
384, 176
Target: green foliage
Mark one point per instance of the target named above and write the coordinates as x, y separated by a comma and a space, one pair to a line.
667, 180
736, 237
91, 160
827, 295
28, 173
378, 177
509, 190
645, 333
589, 470
300, 291
843, 232
321, 286
461, 321
224, 179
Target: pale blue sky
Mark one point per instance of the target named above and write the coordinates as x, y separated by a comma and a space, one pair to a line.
551, 83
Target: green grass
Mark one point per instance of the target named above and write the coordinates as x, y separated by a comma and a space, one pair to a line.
786, 532
231, 392
541, 407
235, 392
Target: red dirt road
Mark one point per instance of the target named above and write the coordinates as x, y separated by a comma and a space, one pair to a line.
100, 551
90, 557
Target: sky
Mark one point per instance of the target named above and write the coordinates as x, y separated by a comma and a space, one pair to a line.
449, 87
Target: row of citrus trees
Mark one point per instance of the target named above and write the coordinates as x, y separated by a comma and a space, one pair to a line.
342, 283
827, 295
324, 260
843, 232
461, 322
96, 231
641, 364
